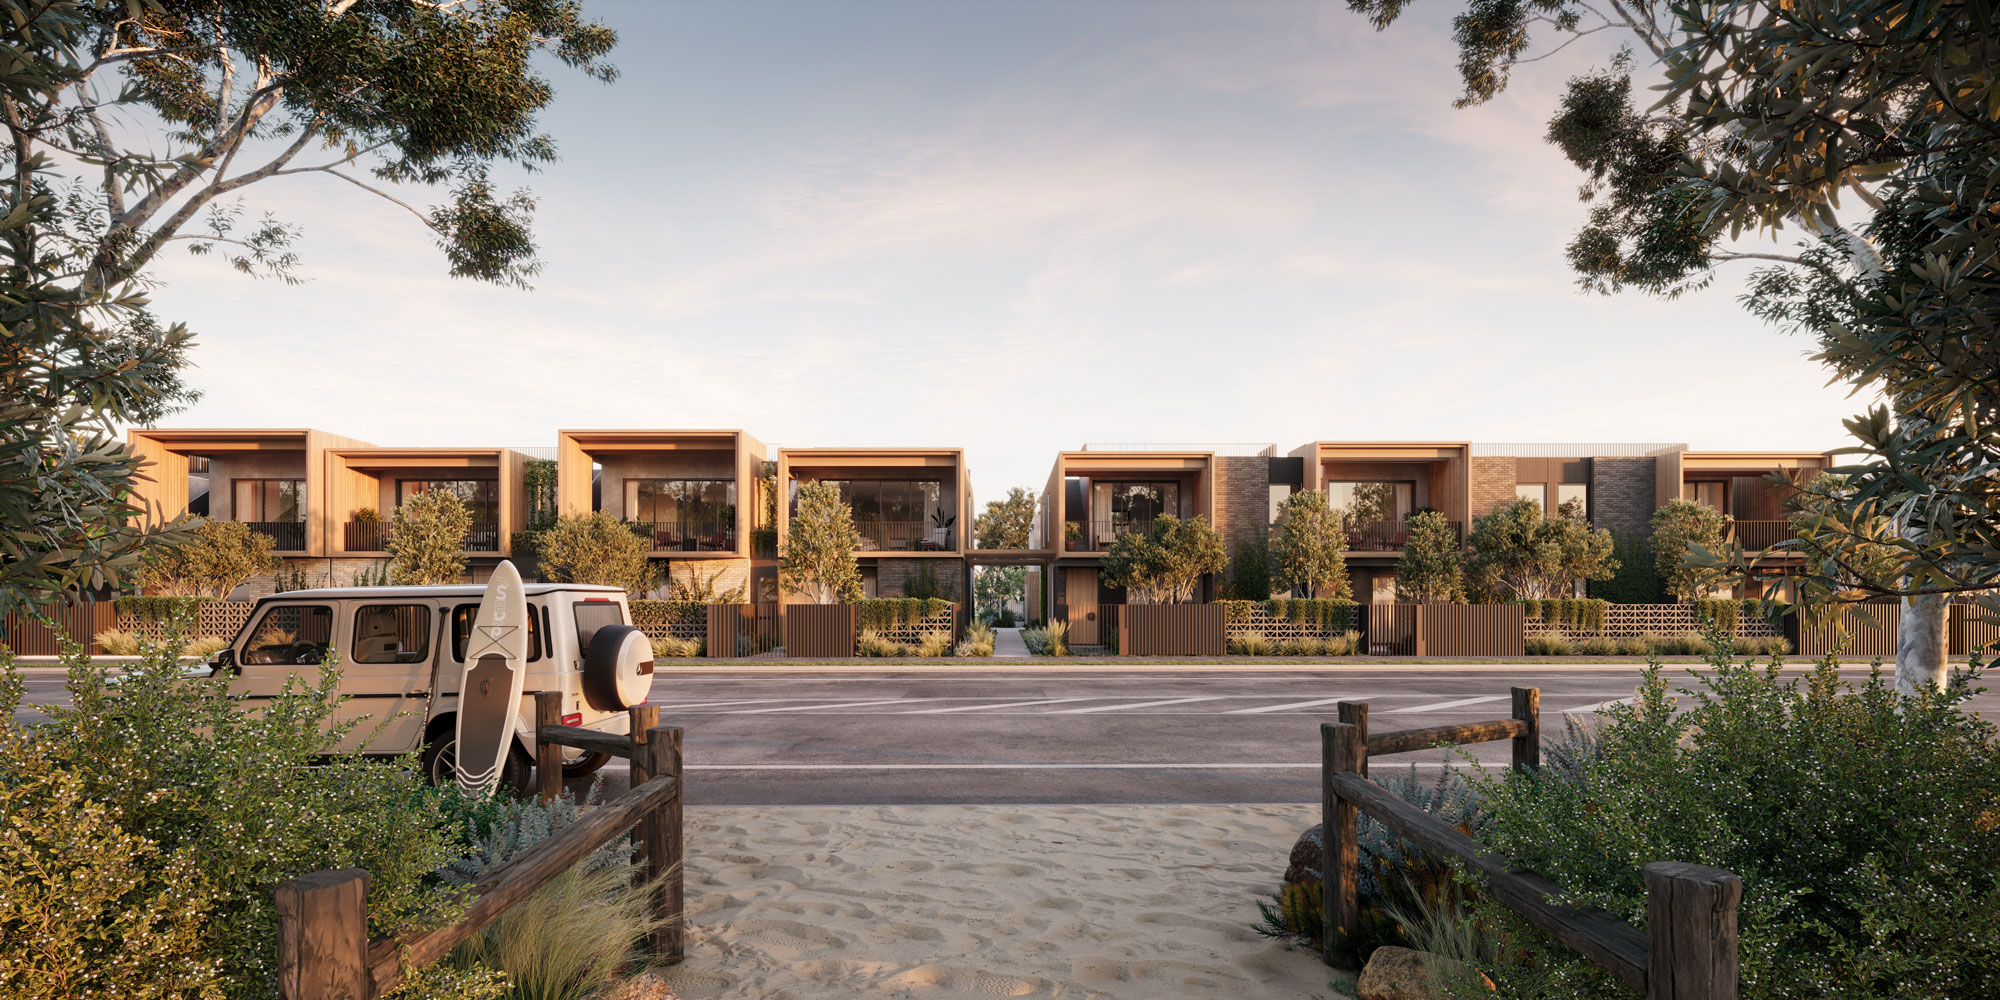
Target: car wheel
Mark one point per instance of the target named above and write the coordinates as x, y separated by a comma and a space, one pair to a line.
440, 762
586, 764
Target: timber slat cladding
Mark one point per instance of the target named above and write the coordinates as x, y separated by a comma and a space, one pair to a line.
1447, 629
1172, 630
819, 630
1869, 630
742, 629
77, 622
1970, 631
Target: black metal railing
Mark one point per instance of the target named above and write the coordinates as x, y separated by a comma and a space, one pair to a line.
906, 536
1761, 534
286, 536
373, 536
716, 534
1387, 536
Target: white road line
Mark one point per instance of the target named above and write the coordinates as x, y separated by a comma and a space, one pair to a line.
1600, 706
841, 704
1442, 705
1139, 704
717, 704
1164, 766
1297, 704
983, 708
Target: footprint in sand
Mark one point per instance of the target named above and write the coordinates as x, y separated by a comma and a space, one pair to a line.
786, 937
945, 977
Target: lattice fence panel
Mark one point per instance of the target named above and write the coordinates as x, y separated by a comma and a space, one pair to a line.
913, 633
1625, 620
221, 619
1277, 629
671, 619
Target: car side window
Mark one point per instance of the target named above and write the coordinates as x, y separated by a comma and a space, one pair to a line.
392, 633
591, 616
290, 633
461, 630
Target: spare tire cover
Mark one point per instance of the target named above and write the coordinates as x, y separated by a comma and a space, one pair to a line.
618, 670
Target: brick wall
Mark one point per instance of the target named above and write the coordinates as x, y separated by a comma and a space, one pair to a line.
734, 573
1621, 493
1242, 497
891, 575
1492, 484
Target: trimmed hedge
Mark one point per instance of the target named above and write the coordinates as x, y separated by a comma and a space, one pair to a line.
1580, 614
1327, 613
881, 613
158, 609
669, 613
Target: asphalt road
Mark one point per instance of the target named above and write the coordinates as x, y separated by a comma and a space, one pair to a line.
999, 737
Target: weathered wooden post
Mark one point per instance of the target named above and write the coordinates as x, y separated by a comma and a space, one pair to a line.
1528, 745
1355, 713
548, 756
1342, 749
323, 936
1692, 950
663, 837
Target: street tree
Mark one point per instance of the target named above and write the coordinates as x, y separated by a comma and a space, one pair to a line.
1770, 113
596, 548
1431, 569
1006, 524
818, 559
1165, 563
427, 539
1306, 552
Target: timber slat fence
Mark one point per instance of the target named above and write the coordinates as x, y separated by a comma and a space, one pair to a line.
819, 631
1690, 951
1172, 630
742, 630
1447, 629
79, 622
323, 948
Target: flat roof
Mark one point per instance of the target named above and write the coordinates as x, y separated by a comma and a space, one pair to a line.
433, 590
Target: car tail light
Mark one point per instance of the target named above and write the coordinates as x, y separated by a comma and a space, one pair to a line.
573, 719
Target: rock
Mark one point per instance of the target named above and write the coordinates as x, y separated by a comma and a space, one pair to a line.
1306, 855
1403, 974
644, 986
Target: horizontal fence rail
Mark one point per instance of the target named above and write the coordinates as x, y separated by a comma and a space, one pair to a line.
1690, 951
323, 947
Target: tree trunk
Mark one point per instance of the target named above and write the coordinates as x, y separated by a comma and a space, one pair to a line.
1920, 644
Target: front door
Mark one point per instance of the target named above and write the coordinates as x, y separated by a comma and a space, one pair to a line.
1080, 594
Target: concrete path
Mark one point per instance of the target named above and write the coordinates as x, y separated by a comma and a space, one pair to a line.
1007, 642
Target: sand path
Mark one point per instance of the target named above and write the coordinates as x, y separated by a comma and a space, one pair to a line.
788, 903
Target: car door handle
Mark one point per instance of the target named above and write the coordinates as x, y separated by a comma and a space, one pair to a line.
420, 694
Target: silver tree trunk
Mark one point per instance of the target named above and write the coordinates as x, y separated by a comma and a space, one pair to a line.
1920, 644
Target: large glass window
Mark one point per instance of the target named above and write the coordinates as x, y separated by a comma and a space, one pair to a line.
481, 495
1372, 501
1573, 499
1280, 492
1714, 496
269, 500
392, 633
290, 633
1135, 503
681, 501
461, 632
897, 513
1538, 492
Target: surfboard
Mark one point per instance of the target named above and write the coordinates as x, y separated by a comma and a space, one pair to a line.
489, 693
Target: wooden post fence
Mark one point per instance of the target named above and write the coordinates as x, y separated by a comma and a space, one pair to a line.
1690, 951
323, 947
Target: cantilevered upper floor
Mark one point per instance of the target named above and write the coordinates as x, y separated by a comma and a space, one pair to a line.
698, 492
366, 485
1094, 497
271, 479
905, 501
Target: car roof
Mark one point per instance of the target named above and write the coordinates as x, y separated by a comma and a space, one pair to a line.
437, 590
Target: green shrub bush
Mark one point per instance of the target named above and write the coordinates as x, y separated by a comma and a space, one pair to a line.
1251, 644
1051, 639
932, 644
1865, 826
869, 642
1576, 614
1548, 644
1597, 645
159, 609
1633, 646
884, 613
669, 647
651, 612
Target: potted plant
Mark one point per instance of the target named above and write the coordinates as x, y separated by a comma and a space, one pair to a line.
1072, 535
941, 528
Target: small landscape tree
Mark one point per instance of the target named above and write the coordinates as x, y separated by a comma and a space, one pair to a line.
213, 559
1006, 524
595, 548
1520, 555
1684, 529
1165, 563
427, 539
995, 586
1306, 553
818, 560
1431, 569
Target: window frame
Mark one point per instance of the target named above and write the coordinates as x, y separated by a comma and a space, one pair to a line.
471, 611
422, 654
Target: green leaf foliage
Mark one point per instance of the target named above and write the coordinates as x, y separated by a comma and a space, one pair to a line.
1865, 827
1165, 563
1431, 568
427, 539
595, 548
1006, 524
886, 613
1306, 552
818, 560
209, 560
1518, 554
1682, 530
1634, 581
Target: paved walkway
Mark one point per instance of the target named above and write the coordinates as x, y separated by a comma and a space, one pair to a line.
1007, 642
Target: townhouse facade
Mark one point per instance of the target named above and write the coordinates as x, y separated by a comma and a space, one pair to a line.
716, 504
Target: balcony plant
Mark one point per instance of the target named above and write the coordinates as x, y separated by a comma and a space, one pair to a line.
941, 525
367, 515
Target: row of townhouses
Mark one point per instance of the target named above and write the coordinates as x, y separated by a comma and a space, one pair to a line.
327, 500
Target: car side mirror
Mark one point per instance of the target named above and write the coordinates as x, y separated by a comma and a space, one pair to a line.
224, 659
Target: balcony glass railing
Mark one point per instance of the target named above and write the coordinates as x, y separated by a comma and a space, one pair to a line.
373, 536
707, 535
905, 536
286, 536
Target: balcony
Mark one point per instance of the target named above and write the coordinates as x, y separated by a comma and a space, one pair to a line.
1387, 536
707, 535
1758, 535
286, 536
373, 536
904, 536
1098, 536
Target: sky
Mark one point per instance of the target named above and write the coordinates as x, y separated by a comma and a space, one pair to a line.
1013, 227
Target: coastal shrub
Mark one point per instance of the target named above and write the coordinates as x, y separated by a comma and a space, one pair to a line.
1250, 644
185, 812
1632, 645
1548, 644
933, 644
1865, 826
117, 643
668, 647
869, 642
1596, 645
978, 642
1051, 639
